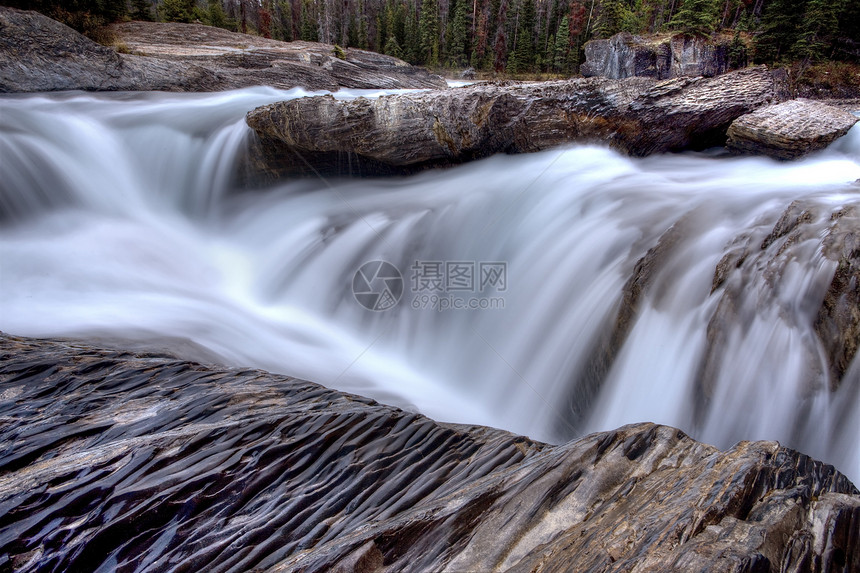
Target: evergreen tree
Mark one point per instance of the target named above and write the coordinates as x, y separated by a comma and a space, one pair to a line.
141, 10
216, 15
412, 46
737, 52
562, 47
429, 28
613, 16
779, 25
175, 11
524, 52
818, 30
697, 17
362, 34
392, 48
112, 10
309, 27
459, 45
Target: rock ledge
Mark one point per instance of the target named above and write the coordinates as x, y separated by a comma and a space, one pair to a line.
115, 460
789, 130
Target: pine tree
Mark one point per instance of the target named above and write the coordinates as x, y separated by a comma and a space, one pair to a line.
613, 15
459, 45
524, 53
216, 14
392, 48
112, 10
141, 10
412, 46
562, 46
737, 52
429, 28
697, 17
818, 30
362, 34
175, 11
779, 24
309, 28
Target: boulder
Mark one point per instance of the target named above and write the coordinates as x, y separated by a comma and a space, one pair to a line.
242, 60
115, 460
661, 57
40, 54
404, 132
789, 130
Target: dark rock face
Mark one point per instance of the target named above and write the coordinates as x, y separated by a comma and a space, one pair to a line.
803, 229
624, 56
143, 462
790, 129
40, 54
408, 131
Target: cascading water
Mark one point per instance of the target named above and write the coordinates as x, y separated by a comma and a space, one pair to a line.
121, 219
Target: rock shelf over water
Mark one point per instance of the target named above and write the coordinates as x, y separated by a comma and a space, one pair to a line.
140, 461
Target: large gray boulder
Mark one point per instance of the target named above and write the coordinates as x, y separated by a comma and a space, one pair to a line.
410, 131
40, 54
625, 55
789, 130
120, 461
241, 60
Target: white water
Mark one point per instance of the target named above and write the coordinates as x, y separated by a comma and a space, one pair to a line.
119, 220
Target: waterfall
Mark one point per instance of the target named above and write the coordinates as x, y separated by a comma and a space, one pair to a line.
122, 219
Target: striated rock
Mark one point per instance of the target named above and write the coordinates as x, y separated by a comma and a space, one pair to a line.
40, 54
119, 461
789, 130
408, 131
242, 60
625, 55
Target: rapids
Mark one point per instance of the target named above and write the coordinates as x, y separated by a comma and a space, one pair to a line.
122, 219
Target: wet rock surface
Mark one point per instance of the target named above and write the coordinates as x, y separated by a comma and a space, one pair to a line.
404, 132
804, 230
625, 55
40, 54
790, 129
140, 461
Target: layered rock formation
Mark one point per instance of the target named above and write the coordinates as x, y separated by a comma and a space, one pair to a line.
241, 60
40, 54
625, 55
125, 461
789, 130
408, 131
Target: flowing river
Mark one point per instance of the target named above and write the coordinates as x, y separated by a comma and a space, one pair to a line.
122, 219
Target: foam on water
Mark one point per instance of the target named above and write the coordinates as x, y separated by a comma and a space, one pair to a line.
121, 218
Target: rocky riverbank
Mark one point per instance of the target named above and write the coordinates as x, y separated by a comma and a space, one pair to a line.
40, 54
142, 461
404, 132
